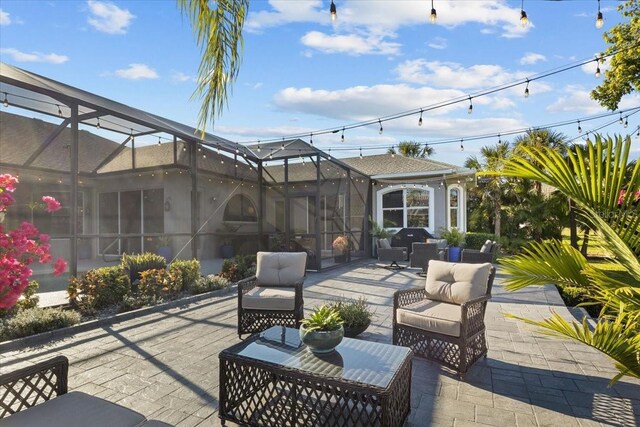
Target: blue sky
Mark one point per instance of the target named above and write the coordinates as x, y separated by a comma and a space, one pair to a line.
301, 72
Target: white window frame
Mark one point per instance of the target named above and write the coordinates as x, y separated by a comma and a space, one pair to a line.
404, 188
462, 209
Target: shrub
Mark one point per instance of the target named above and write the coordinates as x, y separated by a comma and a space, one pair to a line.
354, 312
209, 283
136, 264
238, 268
36, 320
453, 236
476, 240
30, 300
99, 288
512, 245
154, 284
575, 295
188, 270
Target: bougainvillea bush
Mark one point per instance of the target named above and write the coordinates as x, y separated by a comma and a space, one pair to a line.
21, 247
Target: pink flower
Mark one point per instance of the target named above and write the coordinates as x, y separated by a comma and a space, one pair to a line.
8, 182
52, 204
59, 267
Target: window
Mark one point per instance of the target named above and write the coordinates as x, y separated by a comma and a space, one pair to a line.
241, 209
400, 208
455, 207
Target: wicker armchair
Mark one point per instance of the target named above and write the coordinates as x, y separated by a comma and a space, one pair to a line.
487, 253
386, 253
444, 321
274, 295
422, 253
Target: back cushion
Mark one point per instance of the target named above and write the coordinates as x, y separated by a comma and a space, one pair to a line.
384, 244
280, 268
456, 282
486, 248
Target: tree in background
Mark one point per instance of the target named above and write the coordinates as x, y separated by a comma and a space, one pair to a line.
623, 76
217, 26
413, 149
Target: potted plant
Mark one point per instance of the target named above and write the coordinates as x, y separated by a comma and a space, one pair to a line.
164, 248
340, 249
378, 232
355, 314
226, 249
322, 330
455, 239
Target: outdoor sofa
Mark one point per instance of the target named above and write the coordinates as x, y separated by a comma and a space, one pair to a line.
36, 396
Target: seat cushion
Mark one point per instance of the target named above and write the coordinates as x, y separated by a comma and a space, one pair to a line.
75, 409
486, 248
269, 298
384, 244
434, 316
456, 283
280, 268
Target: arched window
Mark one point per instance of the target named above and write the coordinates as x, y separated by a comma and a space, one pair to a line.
406, 207
240, 209
455, 208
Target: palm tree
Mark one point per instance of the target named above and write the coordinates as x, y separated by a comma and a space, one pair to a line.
413, 149
595, 187
538, 138
493, 159
217, 26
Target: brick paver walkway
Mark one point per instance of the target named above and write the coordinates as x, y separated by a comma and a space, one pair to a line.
165, 365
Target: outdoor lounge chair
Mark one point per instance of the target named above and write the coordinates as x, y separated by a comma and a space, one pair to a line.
36, 396
444, 320
487, 253
274, 295
422, 253
388, 254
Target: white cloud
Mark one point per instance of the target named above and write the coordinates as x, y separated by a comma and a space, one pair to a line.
350, 44
137, 72
576, 100
19, 56
591, 67
438, 43
5, 19
531, 58
109, 18
180, 77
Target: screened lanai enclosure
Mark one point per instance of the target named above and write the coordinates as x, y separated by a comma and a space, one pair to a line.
130, 181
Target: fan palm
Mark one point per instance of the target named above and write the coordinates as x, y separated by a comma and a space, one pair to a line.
594, 177
217, 26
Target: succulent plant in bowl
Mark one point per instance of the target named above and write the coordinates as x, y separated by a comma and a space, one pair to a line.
322, 330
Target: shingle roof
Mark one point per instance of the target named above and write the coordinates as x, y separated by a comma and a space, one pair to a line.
385, 164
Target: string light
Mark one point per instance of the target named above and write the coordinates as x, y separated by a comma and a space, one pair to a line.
620, 121
526, 90
579, 127
461, 145
342, 136
434, 15
59, 110
98, 125
470, 110
360, 152
311, 138
159, 142
271, 154
381, 130
333, 11
131, 135
599, 18
524, 20
626, 122
258, 147
598, 71
6, 101
420, 119
499, 139
393, 151
329, 153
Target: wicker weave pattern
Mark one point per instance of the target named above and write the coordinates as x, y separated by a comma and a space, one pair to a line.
260, 394
32, 385
458, 353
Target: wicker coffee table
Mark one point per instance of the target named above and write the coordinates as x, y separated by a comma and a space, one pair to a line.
272, 379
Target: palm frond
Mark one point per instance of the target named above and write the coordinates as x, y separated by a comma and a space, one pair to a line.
551, 261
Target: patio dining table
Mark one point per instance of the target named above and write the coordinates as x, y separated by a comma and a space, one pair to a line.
272, 378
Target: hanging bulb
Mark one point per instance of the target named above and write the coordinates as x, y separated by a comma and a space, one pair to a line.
638, 133
204, 155
237, 151
282, 146
461, 145
360, 152
311, 138
579, 127
329, 153
184, 148
132, 137
499, 139
244, 153
599, 18
393, 151
159, 142
524, 20
59, 110
526, 90
470, 110
342, 136
218, 148
434, 15
333, 11
271, 154
420, 119
98, 125
6, 101
626, 122
621, 121
597, 71
381, 130
258, 147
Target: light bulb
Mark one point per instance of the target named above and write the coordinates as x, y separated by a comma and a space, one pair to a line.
311, 139
381, 130
626, 122
526, 90
461, 146
333, 11
59, 111
420, 119
598, 72
360, 152
579, 127
470, 110
258, 147
159, 142
98, 125
6, 101
342, 136
524, 20
621, 121
329, 153
599, 20
434, 16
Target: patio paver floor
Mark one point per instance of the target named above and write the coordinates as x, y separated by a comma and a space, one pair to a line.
165, 365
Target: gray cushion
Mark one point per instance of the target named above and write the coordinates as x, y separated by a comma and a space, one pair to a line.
75, 409
442, 243
486, 248
456, 283
384, 244
280, 268
269, 298
433, 316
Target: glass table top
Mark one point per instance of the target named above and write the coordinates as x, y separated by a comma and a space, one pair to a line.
353, 360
